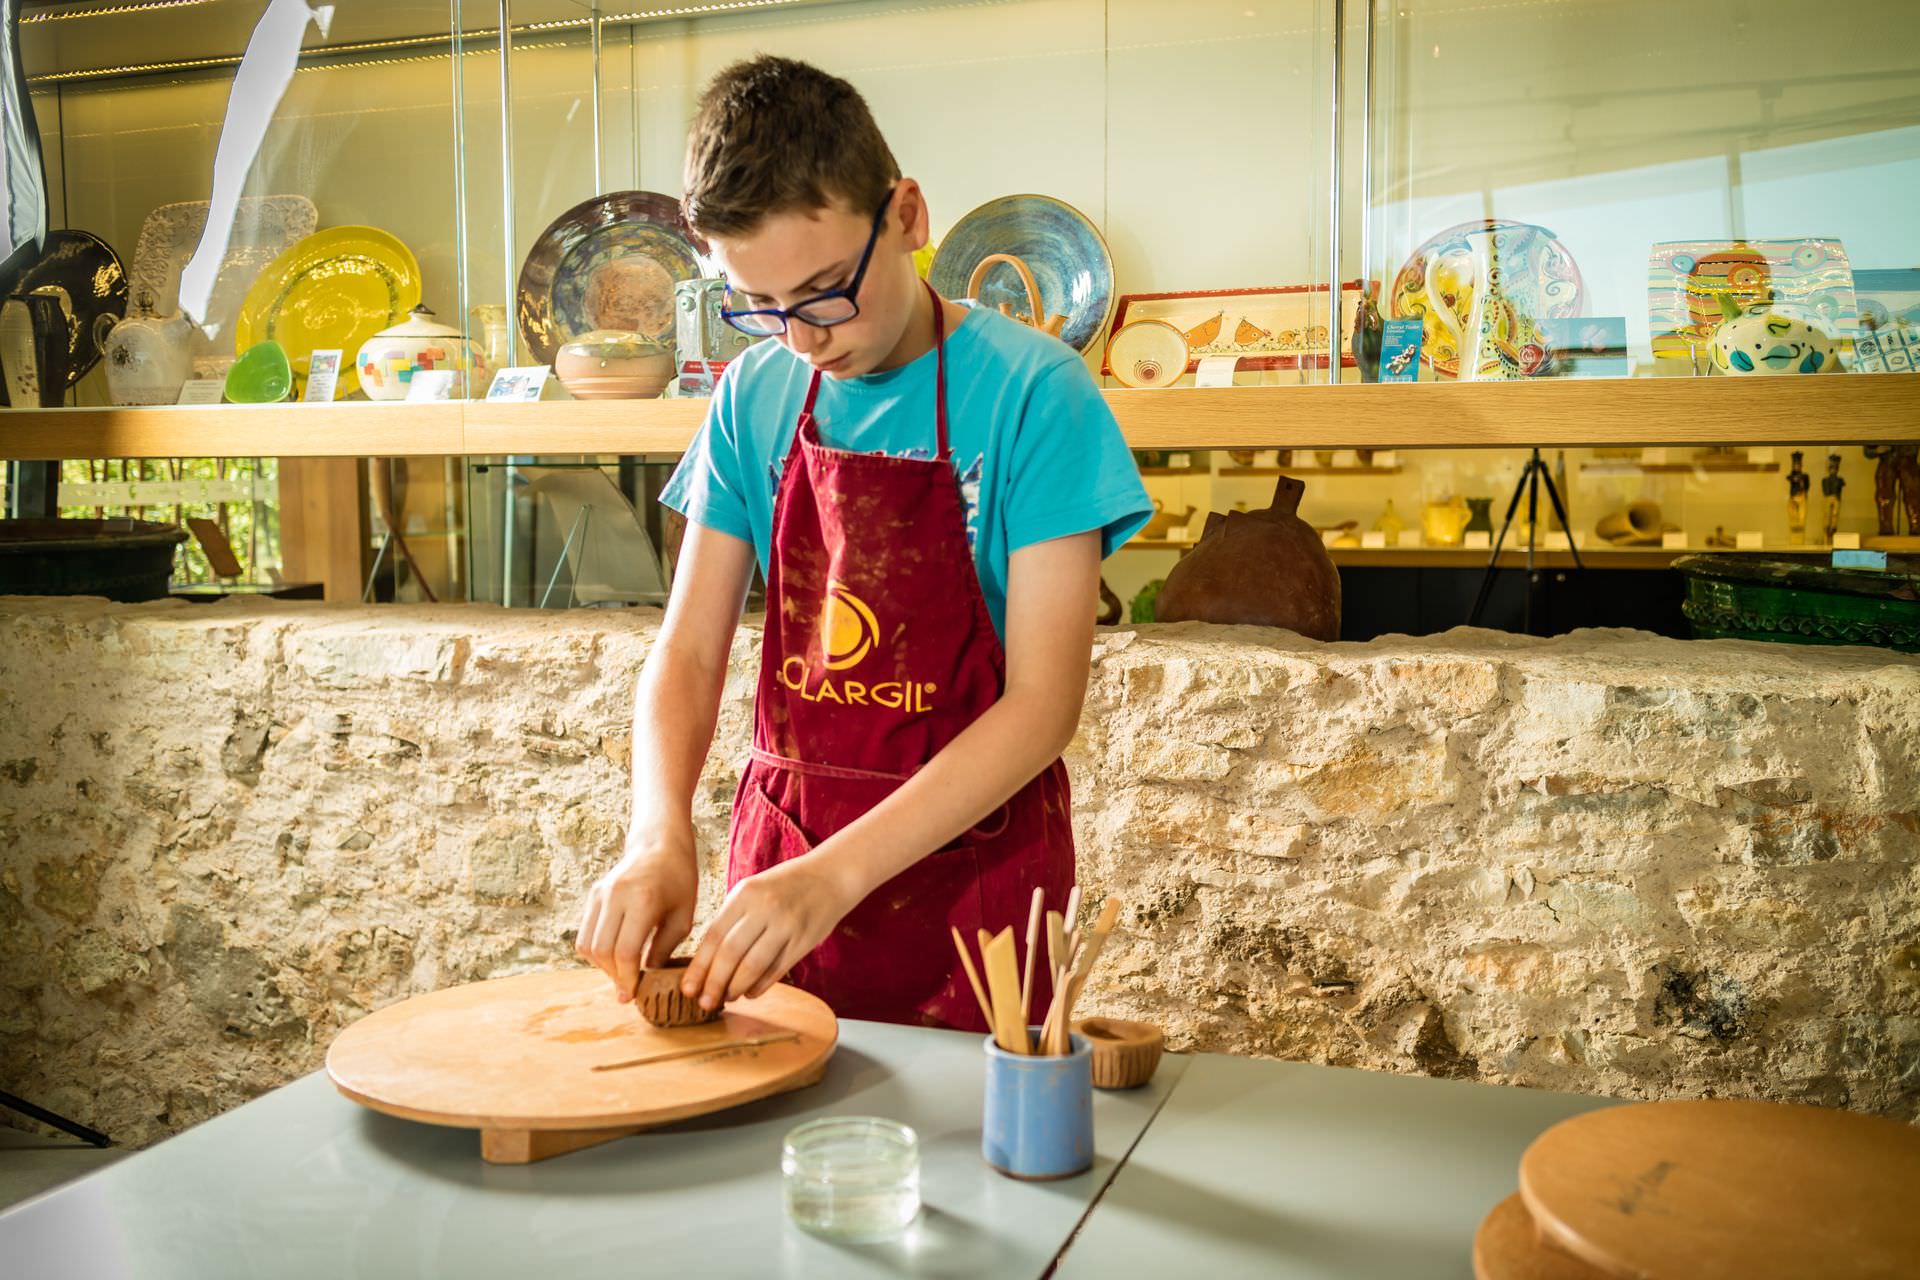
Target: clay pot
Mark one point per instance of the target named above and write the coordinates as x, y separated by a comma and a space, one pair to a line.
1264, 568
659, 999
1125, 1054
609, 365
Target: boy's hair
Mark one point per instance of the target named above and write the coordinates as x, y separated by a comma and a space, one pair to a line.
773, 135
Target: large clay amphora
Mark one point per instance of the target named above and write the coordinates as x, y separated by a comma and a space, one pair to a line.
1265, 568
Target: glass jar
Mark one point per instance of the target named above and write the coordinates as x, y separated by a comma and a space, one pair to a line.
854, 1178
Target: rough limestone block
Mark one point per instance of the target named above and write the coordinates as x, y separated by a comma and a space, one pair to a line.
1608, 862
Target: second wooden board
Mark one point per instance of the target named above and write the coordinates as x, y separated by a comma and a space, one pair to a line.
543, 1063
1728, 1190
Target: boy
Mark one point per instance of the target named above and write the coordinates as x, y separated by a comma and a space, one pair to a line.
918, 480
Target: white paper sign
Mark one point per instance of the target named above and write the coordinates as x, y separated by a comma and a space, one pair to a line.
1478, 540
1385, 458
1345, 458
1373, 538
1216, 371
1759, 455
1749, 540
522, 383
1841, 541
1409, 538
429, 384
323, 371
1674, 540
202, 391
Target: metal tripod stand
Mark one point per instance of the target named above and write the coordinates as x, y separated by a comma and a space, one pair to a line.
1532, 476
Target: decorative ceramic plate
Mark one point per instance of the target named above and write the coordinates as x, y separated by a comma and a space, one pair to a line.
82, 271
1061, 247
263, 227
607, 263
1687, 278
1538, 278
1147, 353
332, 290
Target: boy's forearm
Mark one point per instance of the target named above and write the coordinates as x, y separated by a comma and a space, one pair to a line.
992, 759
676, 705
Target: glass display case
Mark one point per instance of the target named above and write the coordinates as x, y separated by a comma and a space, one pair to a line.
1406, 242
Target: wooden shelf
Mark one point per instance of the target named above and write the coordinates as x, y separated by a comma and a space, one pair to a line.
1835, 409
1475, 558
1243, 472
1622, 467
1176, 471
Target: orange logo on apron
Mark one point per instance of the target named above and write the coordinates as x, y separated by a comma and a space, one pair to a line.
848, 634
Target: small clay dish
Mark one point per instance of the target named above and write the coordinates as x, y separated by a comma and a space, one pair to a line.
659, 999
1125, 1054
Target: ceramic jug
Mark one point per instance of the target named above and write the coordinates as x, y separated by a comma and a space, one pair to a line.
147, 357
1444, 524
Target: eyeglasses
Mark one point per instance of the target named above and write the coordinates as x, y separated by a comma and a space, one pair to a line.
822, 310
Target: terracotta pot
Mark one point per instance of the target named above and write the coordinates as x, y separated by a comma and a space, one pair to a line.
660, 1002
1264, 568
609, 365
1125, 1054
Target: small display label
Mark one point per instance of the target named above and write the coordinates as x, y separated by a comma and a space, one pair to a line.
1400, 350
523, 383
323, 371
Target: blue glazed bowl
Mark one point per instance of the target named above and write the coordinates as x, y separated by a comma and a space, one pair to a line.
1061, 247
1039, 1113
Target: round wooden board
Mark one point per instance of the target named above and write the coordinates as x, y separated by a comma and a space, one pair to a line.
518, 1054
1508, 1247
1728, 1190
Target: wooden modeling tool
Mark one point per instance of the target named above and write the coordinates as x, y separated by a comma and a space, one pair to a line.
1003, 986
695, 1051
1033, 943
973, 978
1056, 941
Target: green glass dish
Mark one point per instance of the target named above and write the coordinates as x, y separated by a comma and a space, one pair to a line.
1800, 602
262, 375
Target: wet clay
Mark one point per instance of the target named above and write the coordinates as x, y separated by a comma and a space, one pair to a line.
659, 999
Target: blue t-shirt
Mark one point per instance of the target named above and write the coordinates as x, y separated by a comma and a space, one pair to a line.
1037, 452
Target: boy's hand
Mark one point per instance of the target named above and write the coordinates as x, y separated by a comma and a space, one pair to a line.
648, 893
767, 924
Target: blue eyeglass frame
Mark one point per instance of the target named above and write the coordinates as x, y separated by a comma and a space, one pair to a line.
850, 291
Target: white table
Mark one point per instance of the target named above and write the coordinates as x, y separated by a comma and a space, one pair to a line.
1286, 1171
303, 1183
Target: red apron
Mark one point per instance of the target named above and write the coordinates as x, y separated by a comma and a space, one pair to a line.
879, 651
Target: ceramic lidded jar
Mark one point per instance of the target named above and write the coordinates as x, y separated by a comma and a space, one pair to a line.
610, 364
1264, 568
147, 357
1773, 342
388, 360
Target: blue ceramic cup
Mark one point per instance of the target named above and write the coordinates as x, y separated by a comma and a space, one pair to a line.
1039, 1112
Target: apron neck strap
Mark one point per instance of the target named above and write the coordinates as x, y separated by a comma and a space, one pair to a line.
940, 372
939, 379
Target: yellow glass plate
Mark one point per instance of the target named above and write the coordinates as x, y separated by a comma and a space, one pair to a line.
333, 290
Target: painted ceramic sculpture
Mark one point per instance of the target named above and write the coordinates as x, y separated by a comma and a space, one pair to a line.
1766, 341
1264, 568
388, 360
1896, 487
1798, 483
1367, 326
1831, 486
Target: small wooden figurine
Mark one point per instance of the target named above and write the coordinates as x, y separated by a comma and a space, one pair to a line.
1830, 486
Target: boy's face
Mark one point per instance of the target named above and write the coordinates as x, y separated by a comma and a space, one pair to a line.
790, 257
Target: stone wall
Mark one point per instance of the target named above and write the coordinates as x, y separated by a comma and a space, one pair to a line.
1608, 862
